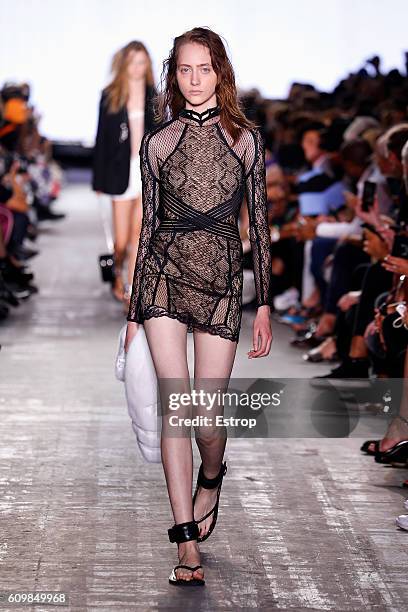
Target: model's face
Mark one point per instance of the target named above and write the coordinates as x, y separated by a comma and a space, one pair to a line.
311, 145
137, 65
195, 75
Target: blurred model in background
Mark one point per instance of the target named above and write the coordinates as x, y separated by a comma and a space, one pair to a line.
125, 114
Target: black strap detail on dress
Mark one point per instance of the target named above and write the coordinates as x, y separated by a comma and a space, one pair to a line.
190, 218
200, 118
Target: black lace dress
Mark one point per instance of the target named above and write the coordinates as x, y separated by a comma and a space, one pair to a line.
189, 261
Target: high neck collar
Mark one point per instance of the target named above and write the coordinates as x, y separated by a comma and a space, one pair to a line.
207, 117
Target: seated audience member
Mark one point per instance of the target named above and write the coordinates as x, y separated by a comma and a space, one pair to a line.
320, 190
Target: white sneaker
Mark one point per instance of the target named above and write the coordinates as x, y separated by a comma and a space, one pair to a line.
402, 521
406, 504
285, 300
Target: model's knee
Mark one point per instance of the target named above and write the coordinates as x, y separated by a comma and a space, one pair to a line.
208, 435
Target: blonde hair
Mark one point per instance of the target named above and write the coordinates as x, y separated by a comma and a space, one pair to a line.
118, 89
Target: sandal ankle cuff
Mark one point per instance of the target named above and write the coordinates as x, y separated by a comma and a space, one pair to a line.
211, 483
183, 532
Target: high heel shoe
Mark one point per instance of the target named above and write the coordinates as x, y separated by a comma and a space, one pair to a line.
184, 532
210, 483
397, 455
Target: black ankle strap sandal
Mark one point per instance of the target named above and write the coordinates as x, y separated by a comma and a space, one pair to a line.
183, 532
210, 483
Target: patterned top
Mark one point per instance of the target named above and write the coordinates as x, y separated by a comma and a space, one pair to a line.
189, 261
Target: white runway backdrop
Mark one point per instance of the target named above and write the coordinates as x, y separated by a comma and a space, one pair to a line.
63, 47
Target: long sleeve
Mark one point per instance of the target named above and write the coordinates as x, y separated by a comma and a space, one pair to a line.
98, 152
258, 219
150, 200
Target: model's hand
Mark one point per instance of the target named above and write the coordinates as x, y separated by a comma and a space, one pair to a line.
131, 330
262, 333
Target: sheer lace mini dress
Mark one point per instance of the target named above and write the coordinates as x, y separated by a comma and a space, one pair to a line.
189, 261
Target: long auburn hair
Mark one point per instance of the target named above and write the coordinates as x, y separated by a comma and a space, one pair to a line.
118, 89
170, 100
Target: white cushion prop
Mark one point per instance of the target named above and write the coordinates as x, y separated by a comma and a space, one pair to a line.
121, 356
402, 521
139, 375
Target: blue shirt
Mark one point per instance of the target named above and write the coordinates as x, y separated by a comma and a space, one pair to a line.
319, 191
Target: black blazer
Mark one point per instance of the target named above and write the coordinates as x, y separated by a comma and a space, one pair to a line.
111, 154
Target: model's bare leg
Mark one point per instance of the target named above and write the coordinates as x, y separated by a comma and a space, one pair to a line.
120, 223
135, 225
213, 361
167, 339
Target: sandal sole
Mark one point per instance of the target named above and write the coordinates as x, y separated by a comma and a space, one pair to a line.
181, 582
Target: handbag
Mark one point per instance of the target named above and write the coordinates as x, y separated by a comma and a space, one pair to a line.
248, 286
106, 260
136, 369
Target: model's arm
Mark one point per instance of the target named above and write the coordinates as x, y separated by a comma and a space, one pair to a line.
260, 242
150, 199
258, 219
